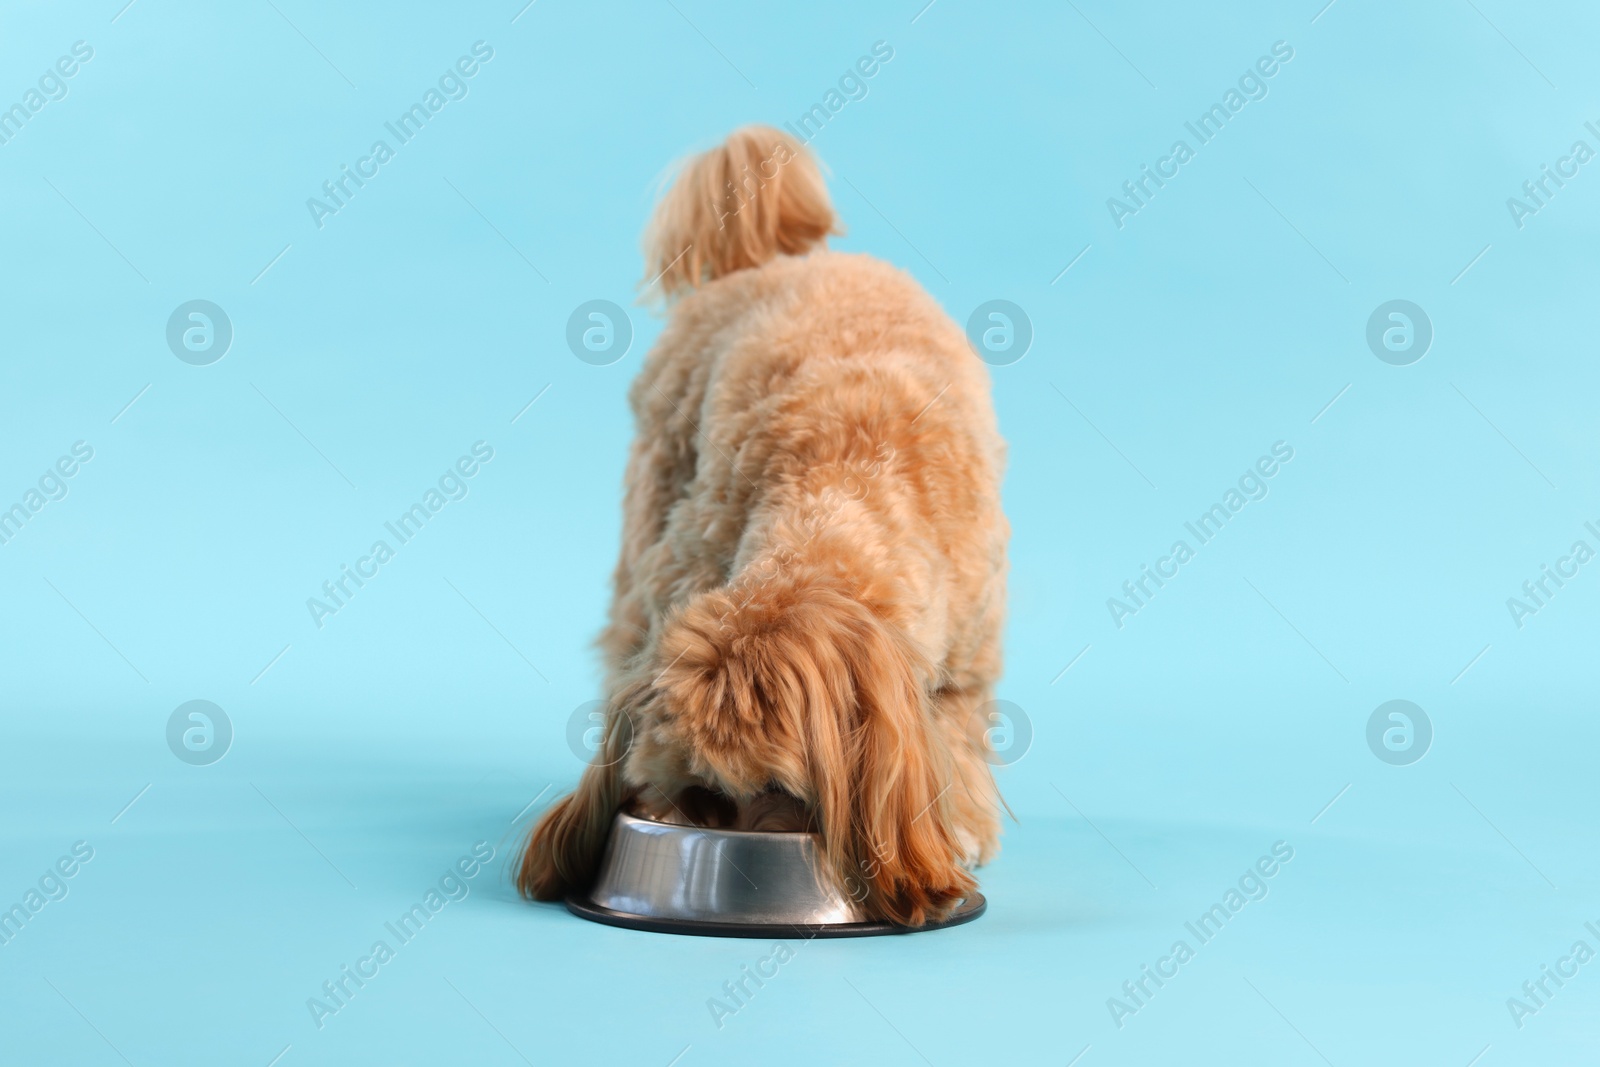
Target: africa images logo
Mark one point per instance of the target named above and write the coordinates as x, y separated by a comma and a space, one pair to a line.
1252, 85
452, 85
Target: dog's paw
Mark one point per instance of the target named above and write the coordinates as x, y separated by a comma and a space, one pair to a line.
893, 894
917, 905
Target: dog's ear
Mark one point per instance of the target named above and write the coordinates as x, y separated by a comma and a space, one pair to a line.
805, 686
563, 850
738, 205
899, 848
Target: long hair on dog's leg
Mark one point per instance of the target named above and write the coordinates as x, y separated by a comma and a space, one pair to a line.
808, 686
563, 849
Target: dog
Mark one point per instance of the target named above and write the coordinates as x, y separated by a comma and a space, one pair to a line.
806, 620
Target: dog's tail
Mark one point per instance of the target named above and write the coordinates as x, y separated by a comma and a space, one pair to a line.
736, 206
800, 681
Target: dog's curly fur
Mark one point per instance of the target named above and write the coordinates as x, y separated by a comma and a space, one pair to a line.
811, 586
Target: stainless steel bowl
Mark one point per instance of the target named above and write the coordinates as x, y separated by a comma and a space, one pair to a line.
727, 883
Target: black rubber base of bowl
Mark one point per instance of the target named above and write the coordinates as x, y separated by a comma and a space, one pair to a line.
584, 908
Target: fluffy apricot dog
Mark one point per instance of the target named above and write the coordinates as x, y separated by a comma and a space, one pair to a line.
808, 605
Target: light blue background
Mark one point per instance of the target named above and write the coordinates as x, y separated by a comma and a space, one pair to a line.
1225, 716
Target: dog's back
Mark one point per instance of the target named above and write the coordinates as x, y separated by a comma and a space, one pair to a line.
791, 390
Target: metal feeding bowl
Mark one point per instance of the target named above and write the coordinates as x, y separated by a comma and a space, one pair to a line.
728, 883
